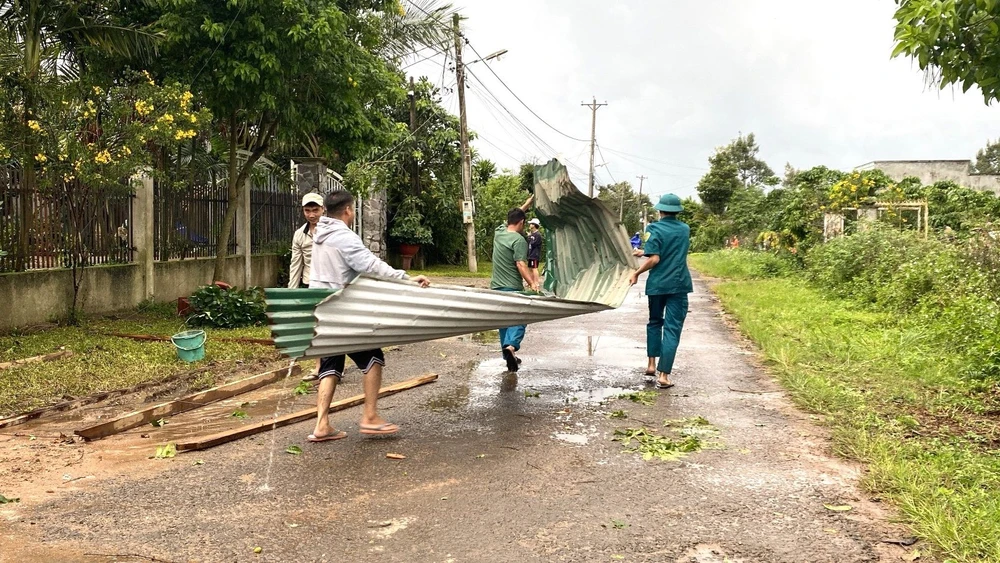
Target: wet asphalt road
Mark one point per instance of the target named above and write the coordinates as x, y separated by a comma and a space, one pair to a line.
495, 473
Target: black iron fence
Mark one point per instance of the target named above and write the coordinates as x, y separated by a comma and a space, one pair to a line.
45, 228
187, 220
275, 213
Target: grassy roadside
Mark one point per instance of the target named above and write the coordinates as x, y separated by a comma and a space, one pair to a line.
102, 363
484, 270
893, 399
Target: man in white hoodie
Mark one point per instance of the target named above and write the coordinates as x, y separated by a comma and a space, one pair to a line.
338, 257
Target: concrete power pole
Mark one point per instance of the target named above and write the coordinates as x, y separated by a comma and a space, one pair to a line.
470, 226
593, 105
642, 202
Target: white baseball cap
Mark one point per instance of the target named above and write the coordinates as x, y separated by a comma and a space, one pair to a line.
534, 222
312, 198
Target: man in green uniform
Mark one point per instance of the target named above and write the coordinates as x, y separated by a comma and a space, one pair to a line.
510, 273
667, 287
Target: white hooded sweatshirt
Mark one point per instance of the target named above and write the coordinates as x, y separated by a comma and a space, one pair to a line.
339, 255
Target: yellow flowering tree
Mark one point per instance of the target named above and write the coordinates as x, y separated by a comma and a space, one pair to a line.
89, 141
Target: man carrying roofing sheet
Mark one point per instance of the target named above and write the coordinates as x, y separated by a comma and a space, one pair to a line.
510, 273
339, 256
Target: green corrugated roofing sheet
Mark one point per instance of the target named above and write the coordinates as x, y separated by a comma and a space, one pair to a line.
588, 263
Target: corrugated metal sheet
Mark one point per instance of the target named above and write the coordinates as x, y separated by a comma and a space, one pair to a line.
374, 312
588, 262
588, 255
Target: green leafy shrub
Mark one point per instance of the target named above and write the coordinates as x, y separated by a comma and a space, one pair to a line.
227, 308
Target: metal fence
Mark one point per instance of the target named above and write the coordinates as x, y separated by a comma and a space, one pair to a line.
187, 220
275, 213
36, 227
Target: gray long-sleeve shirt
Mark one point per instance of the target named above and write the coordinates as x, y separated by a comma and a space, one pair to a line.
339, 255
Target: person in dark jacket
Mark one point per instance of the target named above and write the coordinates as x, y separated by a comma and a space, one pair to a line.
667, 287
534, 248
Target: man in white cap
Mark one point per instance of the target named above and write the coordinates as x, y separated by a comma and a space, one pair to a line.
534, 249
302, 243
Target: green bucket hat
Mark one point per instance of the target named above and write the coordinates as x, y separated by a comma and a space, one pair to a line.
669, 203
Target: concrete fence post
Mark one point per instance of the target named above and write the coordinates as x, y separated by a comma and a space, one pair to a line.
143, 234
243, 233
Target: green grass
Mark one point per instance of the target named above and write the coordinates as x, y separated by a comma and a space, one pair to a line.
484, 270
104, 363
742, 264
893, 400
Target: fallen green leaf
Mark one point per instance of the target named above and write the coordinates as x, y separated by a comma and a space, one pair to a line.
618, 524
535, 394
618, 414
200, 462
240, 413
647, 398
158, 422
294, 450
5, 500
258, 550
838, 507
164, 452
302, 388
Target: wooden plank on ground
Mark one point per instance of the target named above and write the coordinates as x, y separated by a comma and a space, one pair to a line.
183, 404
74, 403
34, 359
210, 441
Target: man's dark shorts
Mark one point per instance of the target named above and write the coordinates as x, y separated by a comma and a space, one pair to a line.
334, 365
532, 263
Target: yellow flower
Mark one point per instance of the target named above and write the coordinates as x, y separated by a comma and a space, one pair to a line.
143, 107
40, 157
126, 151
148, 78
166, 118
186, 99
193, 118
181, 135
103, 157
98, 91
34, 125
68, 178
77, 165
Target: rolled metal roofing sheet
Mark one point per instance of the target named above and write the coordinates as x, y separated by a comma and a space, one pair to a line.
588, 263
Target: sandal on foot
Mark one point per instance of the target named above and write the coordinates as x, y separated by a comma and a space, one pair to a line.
664, 385
328, 437
384, 428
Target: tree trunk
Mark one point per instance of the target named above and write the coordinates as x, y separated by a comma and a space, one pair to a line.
232, 205
237, 176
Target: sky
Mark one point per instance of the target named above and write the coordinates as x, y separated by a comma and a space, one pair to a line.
812, 80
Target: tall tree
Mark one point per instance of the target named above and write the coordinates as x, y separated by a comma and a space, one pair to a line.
297, 67
987, 160
732, 167
954, 42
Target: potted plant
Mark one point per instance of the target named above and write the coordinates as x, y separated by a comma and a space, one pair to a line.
409, 230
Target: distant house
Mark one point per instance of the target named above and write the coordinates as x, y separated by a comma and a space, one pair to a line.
931, 171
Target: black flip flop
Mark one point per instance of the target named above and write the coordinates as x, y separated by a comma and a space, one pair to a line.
649, 374
512, 363
664, 385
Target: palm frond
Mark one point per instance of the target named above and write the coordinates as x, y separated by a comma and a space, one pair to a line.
424, 23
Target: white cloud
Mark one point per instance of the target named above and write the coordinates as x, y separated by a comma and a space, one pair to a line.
813, 81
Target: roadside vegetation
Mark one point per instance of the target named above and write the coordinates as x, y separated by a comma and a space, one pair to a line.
101, 362
891, 339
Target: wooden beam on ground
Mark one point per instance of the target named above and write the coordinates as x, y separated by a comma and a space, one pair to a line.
183, 404
74, 403
210, 441
34, 359
155, 338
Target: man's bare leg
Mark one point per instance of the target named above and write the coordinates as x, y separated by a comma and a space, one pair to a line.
324, 396
370, 419
651, 367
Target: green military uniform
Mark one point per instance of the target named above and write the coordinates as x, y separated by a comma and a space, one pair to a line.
668, 283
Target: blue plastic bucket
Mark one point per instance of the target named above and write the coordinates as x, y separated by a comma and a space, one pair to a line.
190, 345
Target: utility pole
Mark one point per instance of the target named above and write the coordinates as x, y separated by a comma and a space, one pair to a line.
414, 167
470, 226
593, 105
642, 202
